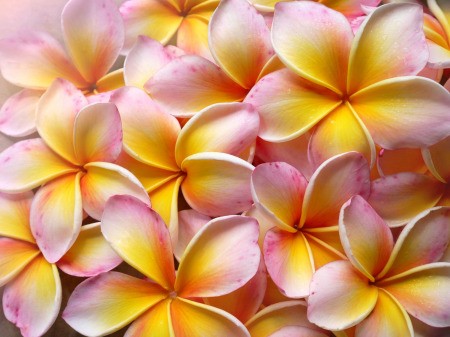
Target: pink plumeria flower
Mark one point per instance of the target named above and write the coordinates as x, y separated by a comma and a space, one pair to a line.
222, 256
304, 216
350, 91
32, 295
383, 282
74, 161
93, 34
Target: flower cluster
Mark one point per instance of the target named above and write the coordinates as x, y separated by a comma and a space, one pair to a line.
228, 168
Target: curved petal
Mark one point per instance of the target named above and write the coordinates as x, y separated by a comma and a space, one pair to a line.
366, 239
424, 292
33, 60
56, 128
217, 183
56, 216
222, 257
28, 164
437, 158
156, 19
234, 24
90, 255
103, 180
279, 189
330, 187
192, 319
149, 135
192, 36
340, 131
441, 11
226, 127
325, 245
297, 331
191, 83
424, 240
388, 318
401, 160
98, 133
314, 41
15, 255
340, 296
105, 303
400, 197
32, 301
140, 237
439, 56
156, 322
390, 43
18, 113
190, 222
289, 262
399, 112
15, 215
94, 35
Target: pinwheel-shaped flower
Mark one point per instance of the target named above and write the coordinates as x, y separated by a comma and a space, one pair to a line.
73, 160
305, 216
222, 257
438, 33
354, 90
93, 34
382, 282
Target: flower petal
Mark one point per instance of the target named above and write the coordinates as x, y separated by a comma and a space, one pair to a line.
190, 222
94, 34
56, 128
15, 255
156, 322
297, 331
98, 133
140, 237
192, 35
340, 296
222, 257
28, 164
390, 43
424, 292
399, 197
330, 187
149, 135
105, 303
314, 41
226, 127
56, 216
366, 238
33, 60
401, 160
233, 25
217, 183
192, 319
191, 83
103, 180
398, 112
388, 318
278, 188
437, 158
287, 114
18, 113
15, 215
32, 301
439, 56
90, 255
329, 138
289, 262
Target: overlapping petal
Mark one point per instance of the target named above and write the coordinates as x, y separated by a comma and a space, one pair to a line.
192, 35
437, 158
156, 322
297, 331
190, 222
15, 213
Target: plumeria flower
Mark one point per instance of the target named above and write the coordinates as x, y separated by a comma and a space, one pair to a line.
191, 83
93, 34
32, 295
73, 161
221, 257
383, 282
304, 216
202, 159
351, 91
438, 33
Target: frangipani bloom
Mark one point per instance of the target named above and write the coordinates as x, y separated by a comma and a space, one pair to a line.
383, 282
32, 296
351, 91
438, 33
73, 161
239, 40
201, 159
222, 257
93, 34
305, 216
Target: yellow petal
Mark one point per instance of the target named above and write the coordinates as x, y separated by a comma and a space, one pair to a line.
15, 215
156, 322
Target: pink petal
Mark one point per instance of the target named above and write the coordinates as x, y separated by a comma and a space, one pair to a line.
297, 331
